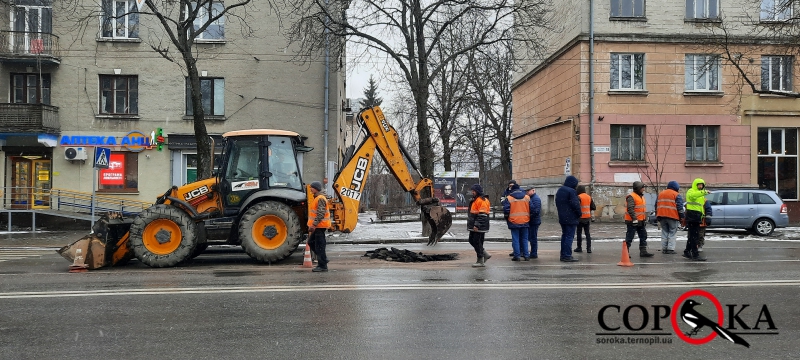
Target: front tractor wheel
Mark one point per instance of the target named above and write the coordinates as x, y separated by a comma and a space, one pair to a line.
163, 236
269, 231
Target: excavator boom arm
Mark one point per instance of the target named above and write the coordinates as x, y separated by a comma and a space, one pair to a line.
349, 183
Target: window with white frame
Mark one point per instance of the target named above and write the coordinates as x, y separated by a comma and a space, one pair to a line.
776, 10
120, 19
627, 142
207, 11
776, 73
213, 96
702, 9
702, 143
627, 71
702, 72
777, 161
627, 8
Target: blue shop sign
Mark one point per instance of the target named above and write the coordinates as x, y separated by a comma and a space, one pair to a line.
135, 141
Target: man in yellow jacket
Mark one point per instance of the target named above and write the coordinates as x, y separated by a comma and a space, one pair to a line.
695, 210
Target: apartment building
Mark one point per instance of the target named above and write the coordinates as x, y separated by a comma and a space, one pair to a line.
665, 106
72, 88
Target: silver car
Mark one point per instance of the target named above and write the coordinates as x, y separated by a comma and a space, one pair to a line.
760, 211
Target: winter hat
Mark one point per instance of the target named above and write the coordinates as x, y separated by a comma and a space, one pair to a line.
581, 189
638, 185
674, 185
477, 188
317, 185
512, 182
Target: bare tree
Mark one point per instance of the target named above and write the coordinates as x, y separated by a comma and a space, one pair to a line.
657, 151
491, 89
408, 31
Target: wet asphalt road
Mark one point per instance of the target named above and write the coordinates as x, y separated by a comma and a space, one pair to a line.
224, 306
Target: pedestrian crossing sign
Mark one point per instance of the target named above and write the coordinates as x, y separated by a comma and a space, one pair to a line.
101, 157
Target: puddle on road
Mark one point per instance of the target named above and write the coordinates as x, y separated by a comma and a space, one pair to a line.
695, 276
435, 280
234, 273
12, 272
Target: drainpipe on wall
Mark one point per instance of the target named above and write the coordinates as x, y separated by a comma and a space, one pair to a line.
591, 91
327, 95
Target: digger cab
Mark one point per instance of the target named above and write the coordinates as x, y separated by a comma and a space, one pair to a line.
260, 163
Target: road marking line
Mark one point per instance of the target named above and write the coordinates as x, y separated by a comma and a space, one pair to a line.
309, 288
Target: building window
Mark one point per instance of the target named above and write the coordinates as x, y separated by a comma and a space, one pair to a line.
776, 10
777, 161
30, 19
120, 19
776, 73
627, 142
215, 30
702, 73
702, 9
30, 89
213, 92
122, 173
119, 94
627, 8
627, 71
702, 143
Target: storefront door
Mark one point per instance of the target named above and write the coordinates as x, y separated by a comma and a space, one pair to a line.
30, 183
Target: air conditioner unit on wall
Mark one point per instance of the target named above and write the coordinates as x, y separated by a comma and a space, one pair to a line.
75, 153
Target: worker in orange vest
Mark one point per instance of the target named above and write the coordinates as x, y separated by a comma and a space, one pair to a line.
478, 223
669, 212
319, 220
587, 206
516, 209
636, 218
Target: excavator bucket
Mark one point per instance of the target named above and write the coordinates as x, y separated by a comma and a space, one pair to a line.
439, 218
107, 245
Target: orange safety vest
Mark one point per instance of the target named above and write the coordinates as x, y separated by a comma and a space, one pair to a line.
586, 205
666, 205
520, 210
312, 213
480, 206
640, 209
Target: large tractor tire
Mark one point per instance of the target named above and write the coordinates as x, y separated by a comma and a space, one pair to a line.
163, 236
269, 231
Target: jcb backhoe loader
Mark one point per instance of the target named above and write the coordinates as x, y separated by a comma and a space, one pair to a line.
257, 200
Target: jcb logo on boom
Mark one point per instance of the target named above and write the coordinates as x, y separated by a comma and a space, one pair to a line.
196, 193
358, 175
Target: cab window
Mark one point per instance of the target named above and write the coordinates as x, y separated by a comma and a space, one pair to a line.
283, 163
244, 162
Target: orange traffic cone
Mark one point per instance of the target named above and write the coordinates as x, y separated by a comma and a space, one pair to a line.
626, 259
307, 258
78, 265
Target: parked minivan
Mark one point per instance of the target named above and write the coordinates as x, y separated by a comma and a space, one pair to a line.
757, 210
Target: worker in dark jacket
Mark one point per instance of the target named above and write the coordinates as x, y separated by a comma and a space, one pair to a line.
636, 218
569, 211
587, 206
509, 189
516, 209
478, 223
535, 221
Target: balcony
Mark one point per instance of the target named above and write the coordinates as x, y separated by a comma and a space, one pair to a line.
29, 118
29, 48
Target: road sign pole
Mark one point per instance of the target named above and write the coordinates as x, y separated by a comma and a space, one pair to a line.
94, 185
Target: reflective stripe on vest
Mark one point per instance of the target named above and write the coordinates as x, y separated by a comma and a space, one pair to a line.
666, 205
586, 205
480, 206
326, 221
520, 210
640, 208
